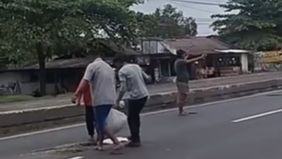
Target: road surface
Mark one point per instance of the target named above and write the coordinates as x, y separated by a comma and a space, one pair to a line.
241, 128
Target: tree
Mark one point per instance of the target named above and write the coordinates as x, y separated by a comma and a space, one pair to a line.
35, 28
251, 24
166, 23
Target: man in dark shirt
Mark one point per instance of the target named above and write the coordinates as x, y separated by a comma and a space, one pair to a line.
182, 66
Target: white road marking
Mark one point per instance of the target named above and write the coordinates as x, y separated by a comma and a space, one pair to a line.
257, 116
36, 109
42, 131
144, 114
77, 157
212, 103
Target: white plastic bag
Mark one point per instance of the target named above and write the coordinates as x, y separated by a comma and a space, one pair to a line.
116, 121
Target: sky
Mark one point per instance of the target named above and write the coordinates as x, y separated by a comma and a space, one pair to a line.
200, 12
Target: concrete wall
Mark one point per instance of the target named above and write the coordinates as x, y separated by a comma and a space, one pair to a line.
30, 87
10, 82
245, 63
7, 77
26, 87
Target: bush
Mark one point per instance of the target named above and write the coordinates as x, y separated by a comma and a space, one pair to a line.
14, 98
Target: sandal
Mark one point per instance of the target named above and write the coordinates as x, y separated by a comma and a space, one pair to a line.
118, 146
117, 151
99, 148
183, 114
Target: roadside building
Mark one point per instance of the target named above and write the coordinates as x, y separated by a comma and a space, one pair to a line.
221, 60
156, 56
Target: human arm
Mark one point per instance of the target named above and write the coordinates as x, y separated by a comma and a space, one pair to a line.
195, 59
76, 98
83, 86
145, 75
122, 79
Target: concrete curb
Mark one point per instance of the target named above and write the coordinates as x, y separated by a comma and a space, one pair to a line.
218, 92
13, 119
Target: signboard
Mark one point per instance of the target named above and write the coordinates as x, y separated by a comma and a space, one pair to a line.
272, 57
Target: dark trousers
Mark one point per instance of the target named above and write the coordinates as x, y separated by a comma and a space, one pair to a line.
134, 109
90, 120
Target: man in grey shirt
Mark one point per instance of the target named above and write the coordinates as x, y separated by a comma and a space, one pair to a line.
101, 78
133, 89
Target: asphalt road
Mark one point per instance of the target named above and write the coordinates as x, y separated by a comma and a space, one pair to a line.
242, 128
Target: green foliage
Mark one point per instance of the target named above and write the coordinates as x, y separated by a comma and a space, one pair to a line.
14, 98
34, 30
251, 24
54, 23
166, 23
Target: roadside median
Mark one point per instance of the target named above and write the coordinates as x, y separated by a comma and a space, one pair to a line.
209, 94
38, 118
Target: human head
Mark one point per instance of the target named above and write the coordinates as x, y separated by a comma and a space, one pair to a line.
95, 54
180, 54
122, 59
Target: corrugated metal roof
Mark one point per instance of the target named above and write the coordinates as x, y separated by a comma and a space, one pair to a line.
65, 63
233, 51
197, 45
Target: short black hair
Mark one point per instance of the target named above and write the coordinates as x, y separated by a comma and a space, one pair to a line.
124, 58
180, 53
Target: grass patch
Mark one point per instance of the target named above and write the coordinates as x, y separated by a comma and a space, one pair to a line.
15, 98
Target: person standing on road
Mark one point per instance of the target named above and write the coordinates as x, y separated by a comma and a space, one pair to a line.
133, 89
85, 95
182, 68
101, 77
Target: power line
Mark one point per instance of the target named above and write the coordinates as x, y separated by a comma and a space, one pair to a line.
198, 19
201, 3
197, 9
204, 18
203, 23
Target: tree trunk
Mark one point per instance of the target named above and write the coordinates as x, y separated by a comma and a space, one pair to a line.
42, 69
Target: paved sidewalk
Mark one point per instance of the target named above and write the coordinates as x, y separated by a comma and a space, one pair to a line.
153, 89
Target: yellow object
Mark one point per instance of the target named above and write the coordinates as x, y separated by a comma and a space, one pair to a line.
272, 57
